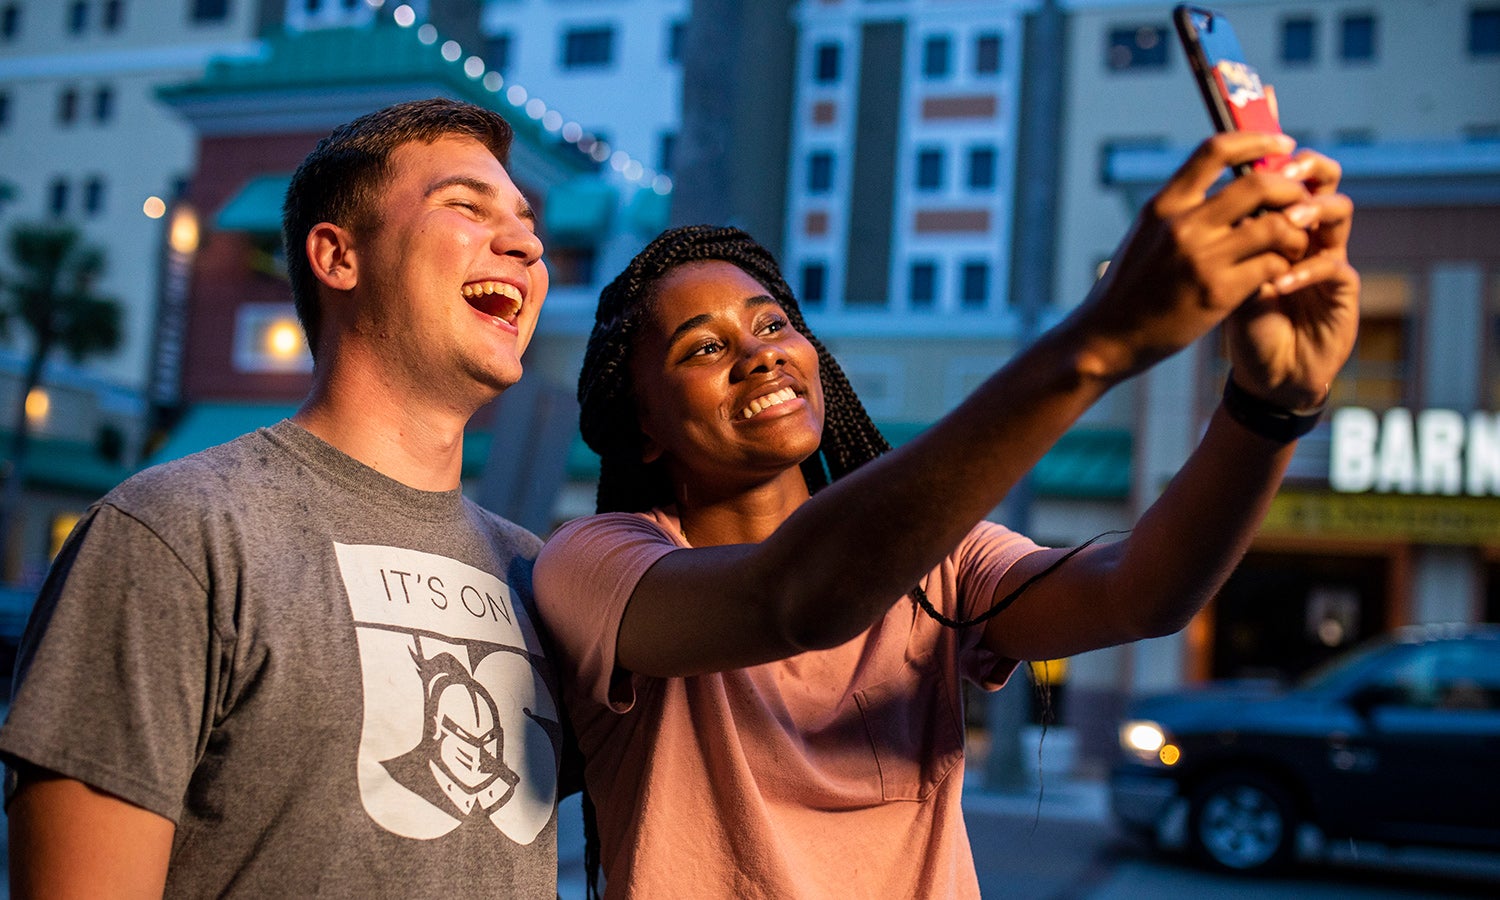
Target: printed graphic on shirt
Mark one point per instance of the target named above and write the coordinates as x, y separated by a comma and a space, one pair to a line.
458, 722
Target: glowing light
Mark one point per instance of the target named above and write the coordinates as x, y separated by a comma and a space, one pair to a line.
283, 339
375, 4
427, 34
493, 81
474, 67
552, 120
618, 160
516, 95
1145, 736
38, 405
535, 108
1169, 754
600, 152
183, 237
662, 185
452, 51
571, 132
154, 207
633, 170
404, 15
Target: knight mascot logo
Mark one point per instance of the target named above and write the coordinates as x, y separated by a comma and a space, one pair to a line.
459, 728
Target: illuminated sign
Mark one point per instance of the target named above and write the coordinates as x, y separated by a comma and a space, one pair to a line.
1432, 452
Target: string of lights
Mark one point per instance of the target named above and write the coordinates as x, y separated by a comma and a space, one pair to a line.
628, 167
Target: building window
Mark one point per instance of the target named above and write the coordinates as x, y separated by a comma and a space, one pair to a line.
268, 338
57, 197
974, 285
921, 290
929, 169
210, 10
588, 48
4, 109
675, 31
104, 104
78, 17
93, 196
814, 291
67, 106
937, 52
1375, 375
981, 168
1143, 47
666, 151
1357, 38
987, 54
1299, 40
497, 50
819, 172
114, 15
1484, 31
10, 22
827, 58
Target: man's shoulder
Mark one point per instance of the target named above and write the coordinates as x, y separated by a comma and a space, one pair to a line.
216, 474
503, 530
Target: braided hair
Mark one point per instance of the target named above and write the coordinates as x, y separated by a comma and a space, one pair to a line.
606, 395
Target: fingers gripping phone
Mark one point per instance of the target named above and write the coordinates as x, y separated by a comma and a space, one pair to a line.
1237, 99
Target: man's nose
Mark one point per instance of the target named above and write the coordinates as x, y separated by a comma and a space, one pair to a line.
517, 237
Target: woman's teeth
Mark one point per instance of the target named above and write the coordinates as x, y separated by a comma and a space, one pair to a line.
768, 401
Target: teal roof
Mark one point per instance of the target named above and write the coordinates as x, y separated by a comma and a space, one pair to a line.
207, 425
257, 206
383, 54
71, 466
1085, 464
579, 209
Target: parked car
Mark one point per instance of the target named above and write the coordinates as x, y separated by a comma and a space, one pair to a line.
1396, 742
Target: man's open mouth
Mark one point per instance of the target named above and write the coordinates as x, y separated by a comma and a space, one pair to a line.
494, 298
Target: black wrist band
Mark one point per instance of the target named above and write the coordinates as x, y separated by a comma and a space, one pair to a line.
1267, 419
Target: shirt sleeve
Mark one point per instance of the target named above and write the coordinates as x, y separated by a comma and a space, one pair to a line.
986, 554
584, 578
112, 671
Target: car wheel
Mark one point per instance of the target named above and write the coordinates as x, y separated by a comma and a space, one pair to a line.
1243, 822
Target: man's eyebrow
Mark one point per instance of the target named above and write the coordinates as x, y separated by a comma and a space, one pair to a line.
477, 185
751, 302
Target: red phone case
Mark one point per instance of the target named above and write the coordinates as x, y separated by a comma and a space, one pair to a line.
1250, 103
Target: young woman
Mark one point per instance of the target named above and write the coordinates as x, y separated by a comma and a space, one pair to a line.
755, 632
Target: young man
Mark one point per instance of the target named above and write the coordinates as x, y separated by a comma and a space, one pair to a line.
301, 662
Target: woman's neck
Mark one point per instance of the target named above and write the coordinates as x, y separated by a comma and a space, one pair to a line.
746, 517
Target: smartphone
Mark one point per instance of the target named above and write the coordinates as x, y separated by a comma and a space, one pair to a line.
1237, 99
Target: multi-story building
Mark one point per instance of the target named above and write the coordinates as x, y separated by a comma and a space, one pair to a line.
1390, 513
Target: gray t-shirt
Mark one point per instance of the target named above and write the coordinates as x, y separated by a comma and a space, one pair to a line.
329, 680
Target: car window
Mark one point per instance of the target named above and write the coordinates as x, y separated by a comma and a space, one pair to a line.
1452, 675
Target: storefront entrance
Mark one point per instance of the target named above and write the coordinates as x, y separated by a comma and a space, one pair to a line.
1281, 614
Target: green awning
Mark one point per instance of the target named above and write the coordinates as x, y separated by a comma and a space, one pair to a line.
1085, 464
257, 206
649, 212
579, 210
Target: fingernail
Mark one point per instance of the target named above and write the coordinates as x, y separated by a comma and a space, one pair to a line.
1285, 283
1302, 214
1295, 170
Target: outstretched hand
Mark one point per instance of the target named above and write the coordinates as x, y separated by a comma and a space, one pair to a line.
1268, 252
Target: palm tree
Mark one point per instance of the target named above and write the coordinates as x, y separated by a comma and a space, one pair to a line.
52, 295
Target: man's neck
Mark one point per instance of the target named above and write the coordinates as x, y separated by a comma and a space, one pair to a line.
409, 439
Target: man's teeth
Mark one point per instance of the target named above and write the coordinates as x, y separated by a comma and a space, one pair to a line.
496, 298
768, 401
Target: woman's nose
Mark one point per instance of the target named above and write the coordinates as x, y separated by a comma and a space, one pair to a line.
760, 355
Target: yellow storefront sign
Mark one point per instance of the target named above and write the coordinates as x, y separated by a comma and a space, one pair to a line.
1385, 517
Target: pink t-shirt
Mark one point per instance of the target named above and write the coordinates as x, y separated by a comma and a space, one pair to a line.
834, 773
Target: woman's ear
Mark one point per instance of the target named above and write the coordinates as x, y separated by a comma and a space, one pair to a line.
330, 252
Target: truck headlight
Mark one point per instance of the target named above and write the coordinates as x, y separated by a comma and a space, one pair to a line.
1148, 742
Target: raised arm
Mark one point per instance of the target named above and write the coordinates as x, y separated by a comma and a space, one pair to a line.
837, 564
1287, 343
70, 840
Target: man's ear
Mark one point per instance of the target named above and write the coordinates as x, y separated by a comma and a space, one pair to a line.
330, 252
